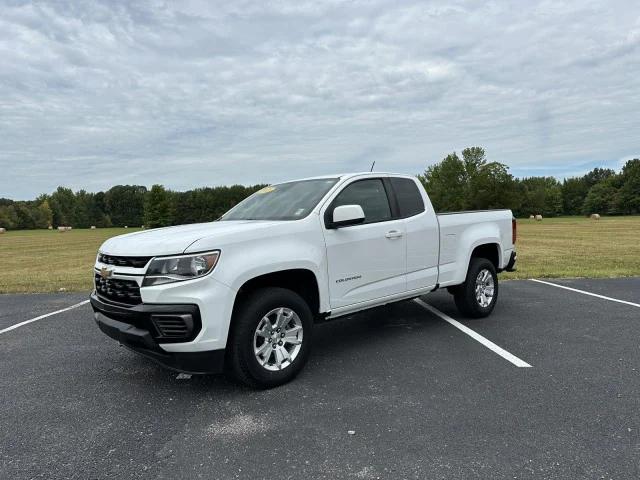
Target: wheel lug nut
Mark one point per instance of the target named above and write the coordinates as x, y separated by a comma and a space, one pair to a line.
280, 343
282, 335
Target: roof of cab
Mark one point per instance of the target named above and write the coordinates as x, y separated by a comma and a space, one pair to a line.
343, 176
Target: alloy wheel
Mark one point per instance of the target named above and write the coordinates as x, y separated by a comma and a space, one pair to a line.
278, 339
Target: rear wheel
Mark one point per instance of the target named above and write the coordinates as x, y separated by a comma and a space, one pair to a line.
271, 338
478, 295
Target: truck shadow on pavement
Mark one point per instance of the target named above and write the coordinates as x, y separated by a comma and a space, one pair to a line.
349, 343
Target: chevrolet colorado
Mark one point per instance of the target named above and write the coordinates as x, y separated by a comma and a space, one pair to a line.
245, 291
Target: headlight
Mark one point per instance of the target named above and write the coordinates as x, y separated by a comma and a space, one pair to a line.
179, 268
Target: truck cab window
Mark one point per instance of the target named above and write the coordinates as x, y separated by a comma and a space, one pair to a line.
370, 195
286, 201
410, 201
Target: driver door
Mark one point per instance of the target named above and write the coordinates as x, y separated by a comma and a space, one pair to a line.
365, 261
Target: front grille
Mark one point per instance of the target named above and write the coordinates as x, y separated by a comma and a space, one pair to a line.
173, 326
118, 290
135, 262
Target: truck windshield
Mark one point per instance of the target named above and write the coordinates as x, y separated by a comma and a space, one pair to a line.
286, 201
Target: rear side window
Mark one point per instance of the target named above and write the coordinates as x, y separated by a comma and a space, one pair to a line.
370, 195
409, 199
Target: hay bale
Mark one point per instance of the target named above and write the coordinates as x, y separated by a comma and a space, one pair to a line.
595, 216
50, 227
538, 218
2, 230
531, 217
126, 226
93, 227
64, 229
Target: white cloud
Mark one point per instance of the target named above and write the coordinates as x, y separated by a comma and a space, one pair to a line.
204, 93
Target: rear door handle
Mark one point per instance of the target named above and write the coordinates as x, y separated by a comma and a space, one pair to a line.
393, 234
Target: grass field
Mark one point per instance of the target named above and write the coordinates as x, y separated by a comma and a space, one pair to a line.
47, 261
578, 247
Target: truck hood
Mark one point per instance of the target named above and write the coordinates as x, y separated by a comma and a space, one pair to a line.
175, 240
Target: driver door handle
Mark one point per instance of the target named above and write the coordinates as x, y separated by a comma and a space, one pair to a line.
393, 234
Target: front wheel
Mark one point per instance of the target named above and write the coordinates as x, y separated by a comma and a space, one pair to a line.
271, 338
478, 295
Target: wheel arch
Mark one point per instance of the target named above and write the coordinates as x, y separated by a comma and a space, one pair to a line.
490, 251
299, 280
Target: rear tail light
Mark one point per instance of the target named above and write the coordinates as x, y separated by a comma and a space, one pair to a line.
514, 231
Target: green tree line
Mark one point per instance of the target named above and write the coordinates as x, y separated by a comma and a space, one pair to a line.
471, 182
458, 182
130, 205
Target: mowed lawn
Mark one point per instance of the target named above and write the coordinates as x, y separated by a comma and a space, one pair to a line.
578, 247
47, 261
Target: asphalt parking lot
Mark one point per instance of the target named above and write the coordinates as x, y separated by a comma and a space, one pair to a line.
425, 399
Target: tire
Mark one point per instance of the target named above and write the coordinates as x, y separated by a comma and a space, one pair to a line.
481, 305
251, 333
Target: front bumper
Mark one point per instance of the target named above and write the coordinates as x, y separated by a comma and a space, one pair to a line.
143, 327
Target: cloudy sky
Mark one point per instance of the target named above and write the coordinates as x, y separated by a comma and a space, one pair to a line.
195, 93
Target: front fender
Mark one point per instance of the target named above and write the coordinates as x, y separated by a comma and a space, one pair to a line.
243, 261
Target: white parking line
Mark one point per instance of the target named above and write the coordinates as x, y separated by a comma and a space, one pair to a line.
26, 322
611, 299
509, 357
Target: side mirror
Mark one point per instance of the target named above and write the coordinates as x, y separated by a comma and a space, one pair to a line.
346, 215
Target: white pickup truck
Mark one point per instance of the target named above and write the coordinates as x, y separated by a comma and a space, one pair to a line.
242, 294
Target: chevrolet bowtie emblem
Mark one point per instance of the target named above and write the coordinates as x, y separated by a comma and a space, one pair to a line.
105, 272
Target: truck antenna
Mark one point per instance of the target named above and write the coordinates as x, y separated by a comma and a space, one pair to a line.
372, 165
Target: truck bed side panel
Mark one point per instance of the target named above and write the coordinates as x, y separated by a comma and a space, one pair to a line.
461, 233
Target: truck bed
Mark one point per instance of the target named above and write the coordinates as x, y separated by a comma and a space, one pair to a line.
459, 231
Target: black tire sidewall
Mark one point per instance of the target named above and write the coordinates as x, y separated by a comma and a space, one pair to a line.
466, 296
261, 302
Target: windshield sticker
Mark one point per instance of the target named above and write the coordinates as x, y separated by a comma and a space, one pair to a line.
266, 190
